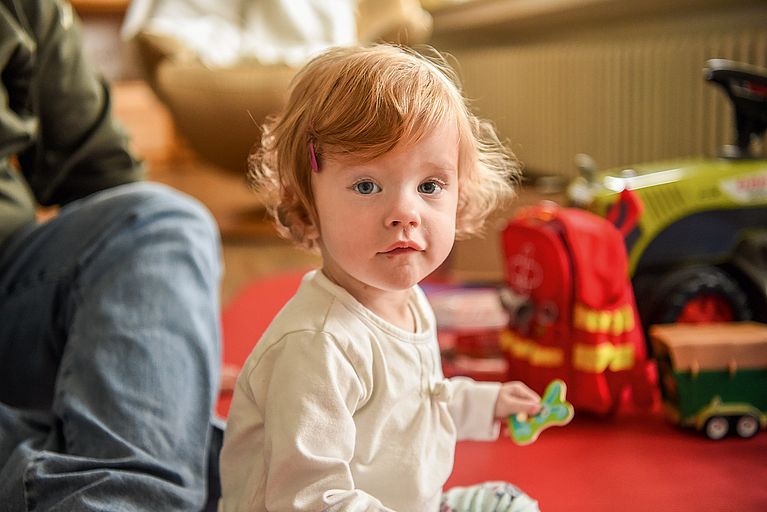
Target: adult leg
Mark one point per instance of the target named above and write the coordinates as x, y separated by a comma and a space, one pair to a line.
109, 321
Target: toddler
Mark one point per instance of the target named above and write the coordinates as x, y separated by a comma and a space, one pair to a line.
376, 162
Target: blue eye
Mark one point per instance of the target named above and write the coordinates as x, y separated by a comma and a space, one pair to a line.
430, 187
366, 187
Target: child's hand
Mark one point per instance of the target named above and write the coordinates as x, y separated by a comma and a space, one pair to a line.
515, 397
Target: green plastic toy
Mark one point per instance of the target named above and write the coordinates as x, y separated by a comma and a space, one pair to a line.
555, 411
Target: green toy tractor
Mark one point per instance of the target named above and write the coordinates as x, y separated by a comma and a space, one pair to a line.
696, 229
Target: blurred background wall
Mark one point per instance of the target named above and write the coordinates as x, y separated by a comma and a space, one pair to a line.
620, 80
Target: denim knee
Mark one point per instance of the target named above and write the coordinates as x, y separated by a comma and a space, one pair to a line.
163, 204
161, 227
150, 213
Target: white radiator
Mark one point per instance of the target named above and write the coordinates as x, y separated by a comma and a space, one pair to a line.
622, 100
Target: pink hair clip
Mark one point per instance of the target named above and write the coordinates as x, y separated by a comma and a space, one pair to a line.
313, 157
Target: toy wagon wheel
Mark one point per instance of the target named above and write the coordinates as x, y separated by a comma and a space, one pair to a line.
700, 294
716, 427
747, 426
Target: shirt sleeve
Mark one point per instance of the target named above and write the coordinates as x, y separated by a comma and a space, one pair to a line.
472, 406
77, 147
309, 398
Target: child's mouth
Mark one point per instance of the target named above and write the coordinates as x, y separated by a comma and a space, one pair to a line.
402, 247
400, 250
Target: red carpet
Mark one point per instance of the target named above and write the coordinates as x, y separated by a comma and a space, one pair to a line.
633, 462
630, 463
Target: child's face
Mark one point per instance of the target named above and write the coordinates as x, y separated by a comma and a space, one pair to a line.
387, 223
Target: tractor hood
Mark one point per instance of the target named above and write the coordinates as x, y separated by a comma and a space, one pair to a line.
742, 181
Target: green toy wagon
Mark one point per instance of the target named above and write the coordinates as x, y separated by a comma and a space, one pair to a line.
713, 377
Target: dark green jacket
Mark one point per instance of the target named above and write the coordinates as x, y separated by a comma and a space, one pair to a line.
58, 141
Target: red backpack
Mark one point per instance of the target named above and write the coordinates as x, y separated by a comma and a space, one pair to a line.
573, 315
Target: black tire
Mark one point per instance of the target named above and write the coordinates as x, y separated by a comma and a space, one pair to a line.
676, 288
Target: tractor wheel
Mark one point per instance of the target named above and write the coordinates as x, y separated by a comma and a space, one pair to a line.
747, 426
716, 427
700, 294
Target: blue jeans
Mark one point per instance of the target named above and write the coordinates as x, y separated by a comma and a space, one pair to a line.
110, 354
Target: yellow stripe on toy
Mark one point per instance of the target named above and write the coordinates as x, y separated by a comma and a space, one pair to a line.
555, 411
598, 358
615, 321
530, 351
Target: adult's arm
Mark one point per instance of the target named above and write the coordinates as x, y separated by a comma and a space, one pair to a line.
61, 105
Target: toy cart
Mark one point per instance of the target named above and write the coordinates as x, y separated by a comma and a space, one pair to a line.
713, 377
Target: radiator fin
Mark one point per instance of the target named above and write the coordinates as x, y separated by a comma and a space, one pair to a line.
622, 101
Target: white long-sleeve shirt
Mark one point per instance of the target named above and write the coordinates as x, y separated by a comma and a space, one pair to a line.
337, 409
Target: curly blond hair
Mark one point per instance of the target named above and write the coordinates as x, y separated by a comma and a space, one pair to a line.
362, 102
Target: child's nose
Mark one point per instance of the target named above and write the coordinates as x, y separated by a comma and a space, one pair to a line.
404, 212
